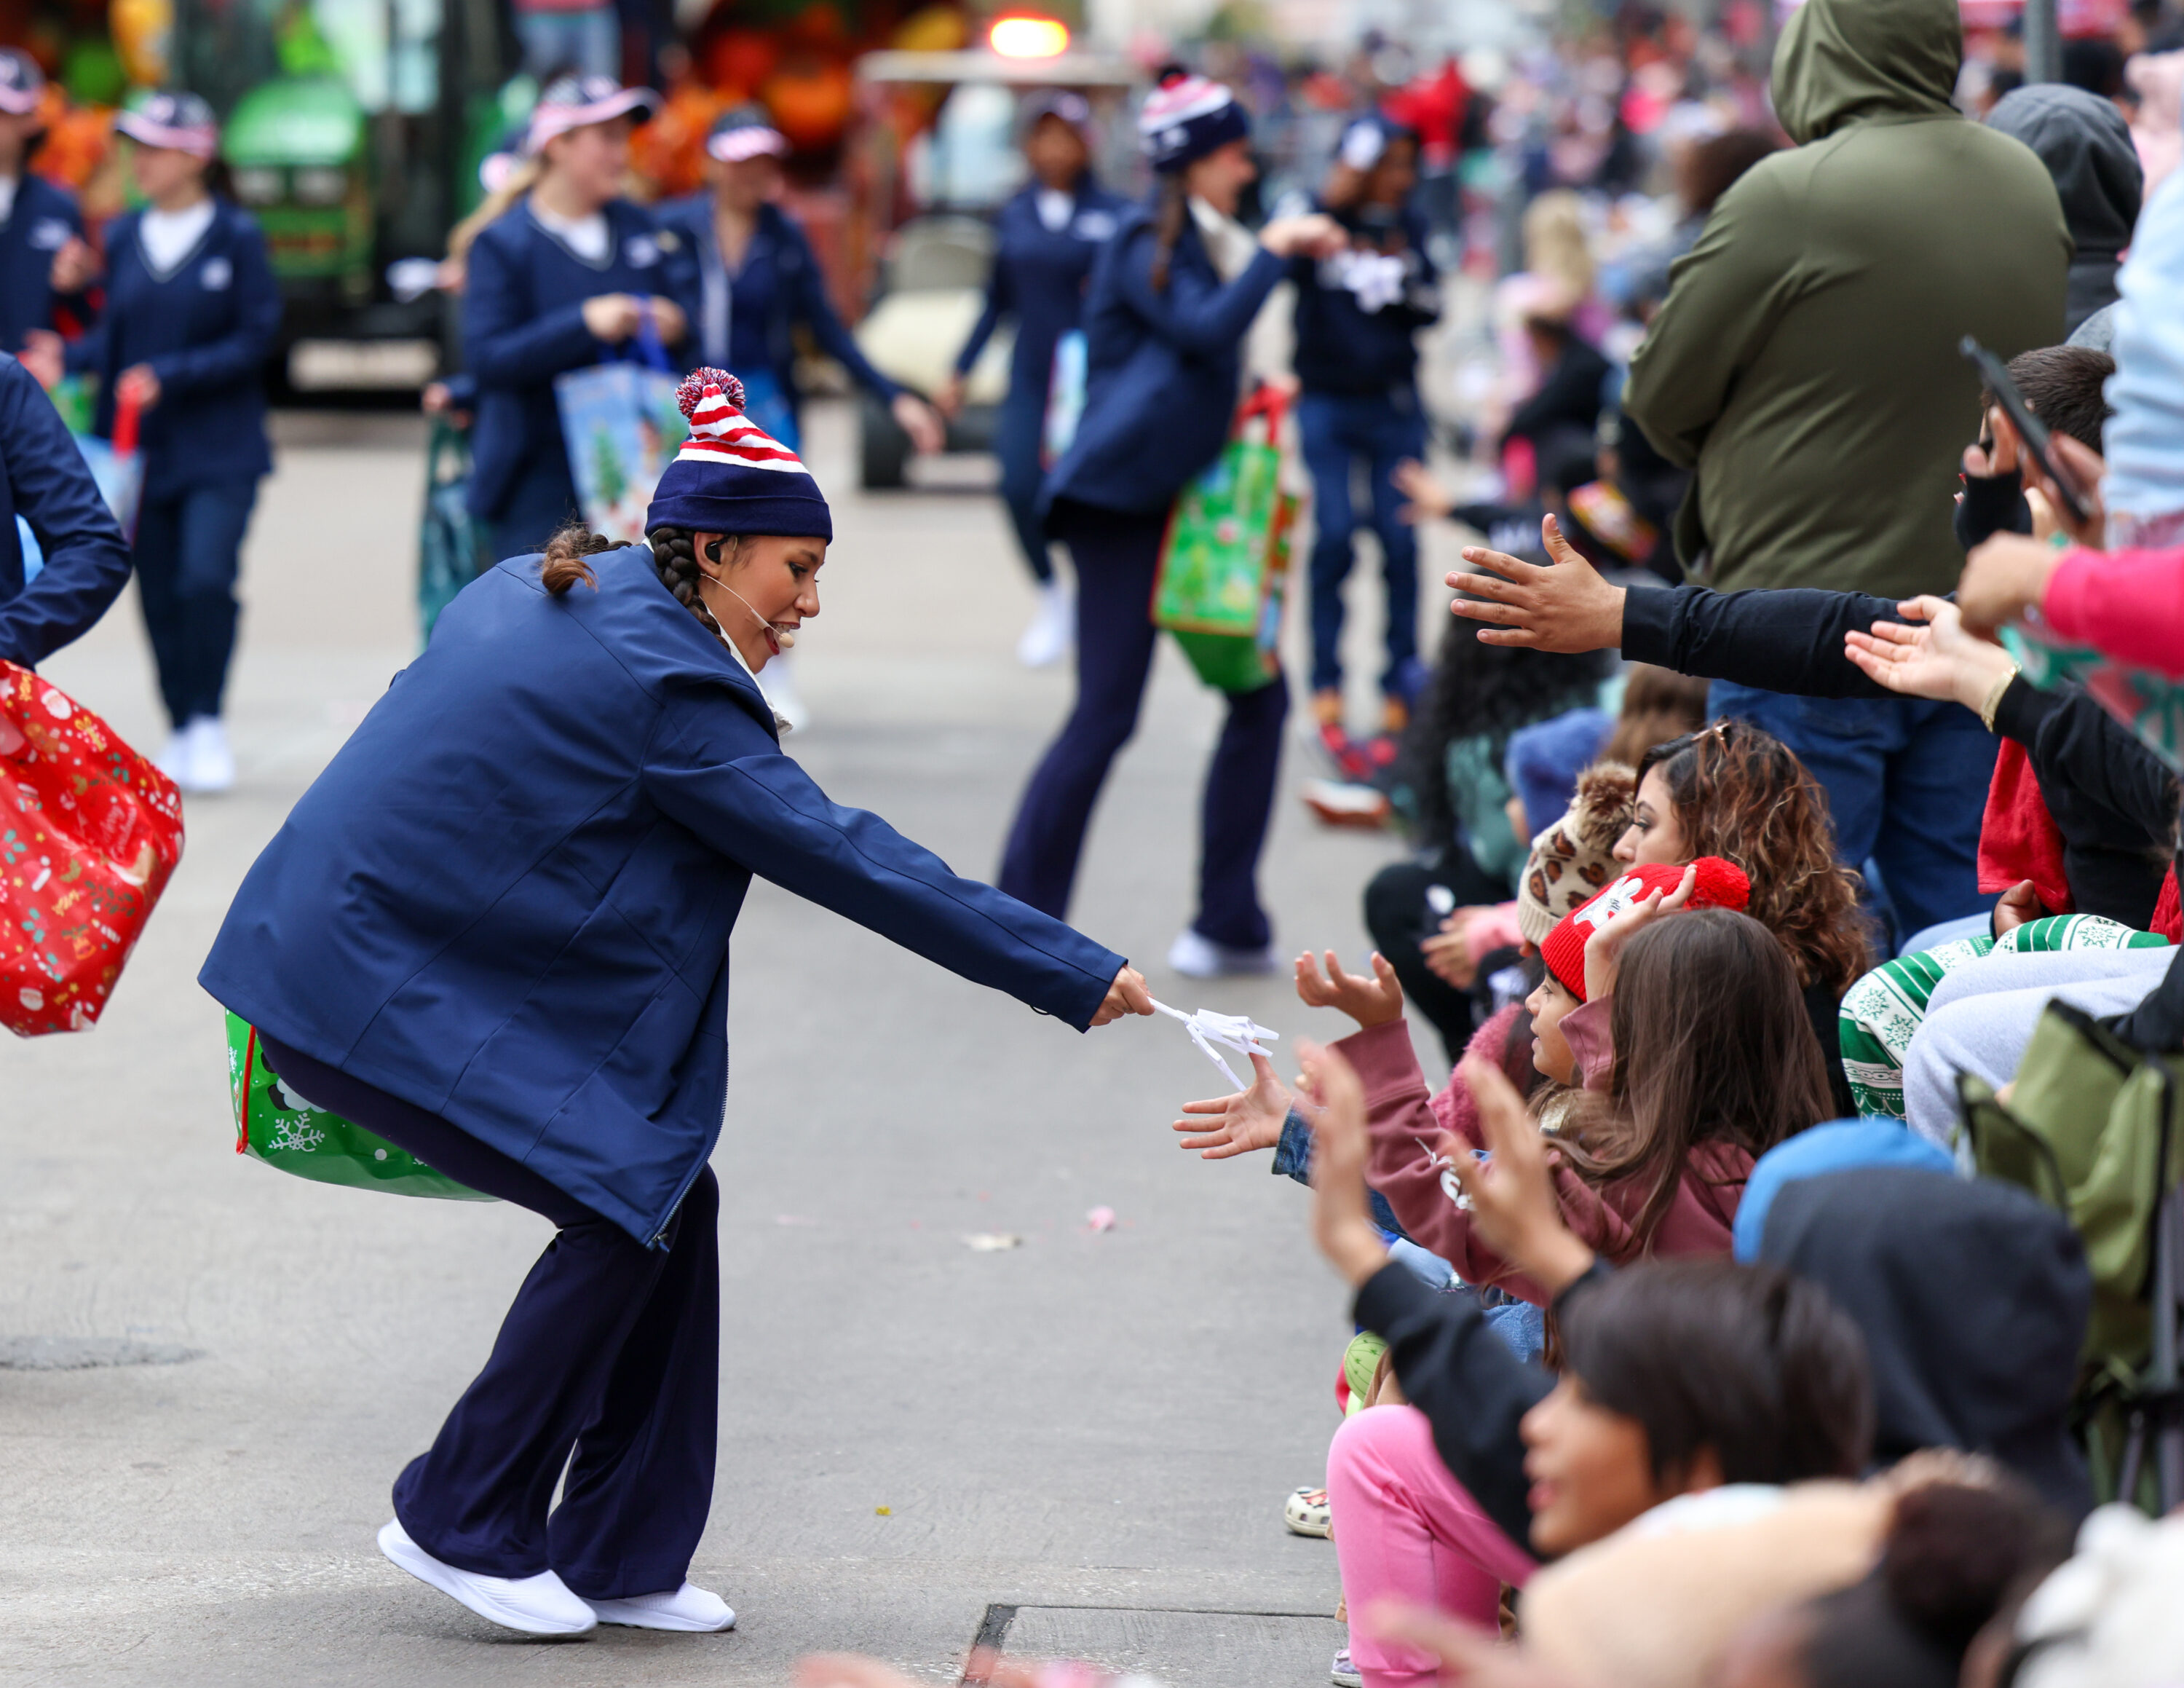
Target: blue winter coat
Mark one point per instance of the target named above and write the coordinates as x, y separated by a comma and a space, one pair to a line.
43, 479
40, 223
206, 327
507, 898
523, 324
779, 268
1162, 369
1040, 276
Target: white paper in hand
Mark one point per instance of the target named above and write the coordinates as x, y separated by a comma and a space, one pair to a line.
1230, 1031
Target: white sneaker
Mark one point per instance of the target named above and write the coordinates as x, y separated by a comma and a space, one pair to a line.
209, 764
537, 1606
690, 1607
174, 760
1053, 629
777, 681
1196, 956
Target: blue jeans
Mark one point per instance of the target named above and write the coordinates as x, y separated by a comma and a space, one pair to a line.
587, 42
188, 551
1337, 429
1907, 782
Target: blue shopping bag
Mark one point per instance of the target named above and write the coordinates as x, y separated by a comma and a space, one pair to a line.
623, 428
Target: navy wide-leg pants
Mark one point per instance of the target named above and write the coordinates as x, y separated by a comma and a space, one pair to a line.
1117, 554
608, 1365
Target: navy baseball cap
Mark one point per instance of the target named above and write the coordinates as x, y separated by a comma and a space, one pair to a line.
178, 120
21, 83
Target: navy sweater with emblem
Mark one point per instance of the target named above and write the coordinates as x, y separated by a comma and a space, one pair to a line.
1340, 346
1040, 277
206, 329
523, 324
40, 223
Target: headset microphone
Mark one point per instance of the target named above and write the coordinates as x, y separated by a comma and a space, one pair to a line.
783, 636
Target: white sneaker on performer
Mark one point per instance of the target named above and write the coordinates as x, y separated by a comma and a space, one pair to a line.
537, 1606
778, 680
174, 760
1195, 956
690, 1607
209, 764
1053, 629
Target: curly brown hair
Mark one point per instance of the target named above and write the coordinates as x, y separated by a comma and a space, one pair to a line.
1741, 793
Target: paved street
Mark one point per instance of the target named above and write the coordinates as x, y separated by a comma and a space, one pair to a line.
1084, 1441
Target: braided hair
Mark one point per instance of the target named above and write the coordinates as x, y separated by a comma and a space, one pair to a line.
674, 559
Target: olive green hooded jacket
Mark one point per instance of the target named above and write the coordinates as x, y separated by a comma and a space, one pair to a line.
1805, 362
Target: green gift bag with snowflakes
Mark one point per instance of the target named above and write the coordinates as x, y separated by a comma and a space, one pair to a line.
284, 1130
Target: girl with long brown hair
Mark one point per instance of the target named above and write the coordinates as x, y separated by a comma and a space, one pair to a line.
1734, 790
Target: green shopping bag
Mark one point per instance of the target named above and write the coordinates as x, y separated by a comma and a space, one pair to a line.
1224, 562
283, 1129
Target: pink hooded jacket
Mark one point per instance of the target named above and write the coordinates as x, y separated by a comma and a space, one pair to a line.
1400, 1113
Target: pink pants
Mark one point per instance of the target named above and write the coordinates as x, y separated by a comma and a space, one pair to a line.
1405, 1530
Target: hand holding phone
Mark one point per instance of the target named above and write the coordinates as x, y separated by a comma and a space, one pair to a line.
2032, 432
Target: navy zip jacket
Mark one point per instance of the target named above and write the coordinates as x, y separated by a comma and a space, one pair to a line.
40, 223
793, 290
523, 324
1162, 369
43, 479
206, 327
1342, 347
508, 899
1040, 276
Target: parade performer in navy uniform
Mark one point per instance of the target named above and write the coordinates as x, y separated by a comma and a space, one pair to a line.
1172, 297
1358, 315
1048, 235
565, 278
495, 930
192, 310
44, 258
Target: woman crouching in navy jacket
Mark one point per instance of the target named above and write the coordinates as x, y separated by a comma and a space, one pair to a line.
565, 279
192, 310
495, 930
1164, 324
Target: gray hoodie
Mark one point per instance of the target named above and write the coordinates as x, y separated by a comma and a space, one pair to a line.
2088, 148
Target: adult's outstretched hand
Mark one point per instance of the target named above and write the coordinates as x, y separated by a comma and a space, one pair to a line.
1566, 607
1127, 995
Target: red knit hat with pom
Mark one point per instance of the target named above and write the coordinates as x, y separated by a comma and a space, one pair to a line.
1720, 884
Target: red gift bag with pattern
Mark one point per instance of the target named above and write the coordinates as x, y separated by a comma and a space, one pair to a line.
89, 832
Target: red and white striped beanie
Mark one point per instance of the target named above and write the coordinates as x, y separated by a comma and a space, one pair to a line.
1186, 117
732, 475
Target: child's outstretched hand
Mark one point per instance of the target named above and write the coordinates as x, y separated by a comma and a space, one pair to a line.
1370, 1002
1513, 1194
1236, 1124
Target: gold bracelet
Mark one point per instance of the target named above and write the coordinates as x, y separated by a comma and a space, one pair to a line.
1994, 697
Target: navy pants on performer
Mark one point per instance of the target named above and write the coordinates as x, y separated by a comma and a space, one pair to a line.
1020, 442
1117, 554
1336, 430
188, 551
1907, 781
608, 1364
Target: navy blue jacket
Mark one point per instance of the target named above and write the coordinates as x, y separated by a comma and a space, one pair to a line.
1343, 348
508, 899
523, 324
206, 329
796, 292
1162, 369
43, 218
1040, 276
43, 479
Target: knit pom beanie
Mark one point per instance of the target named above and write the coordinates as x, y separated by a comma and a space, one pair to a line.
1720, 884
1185, 118
731, 476
1575, 856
